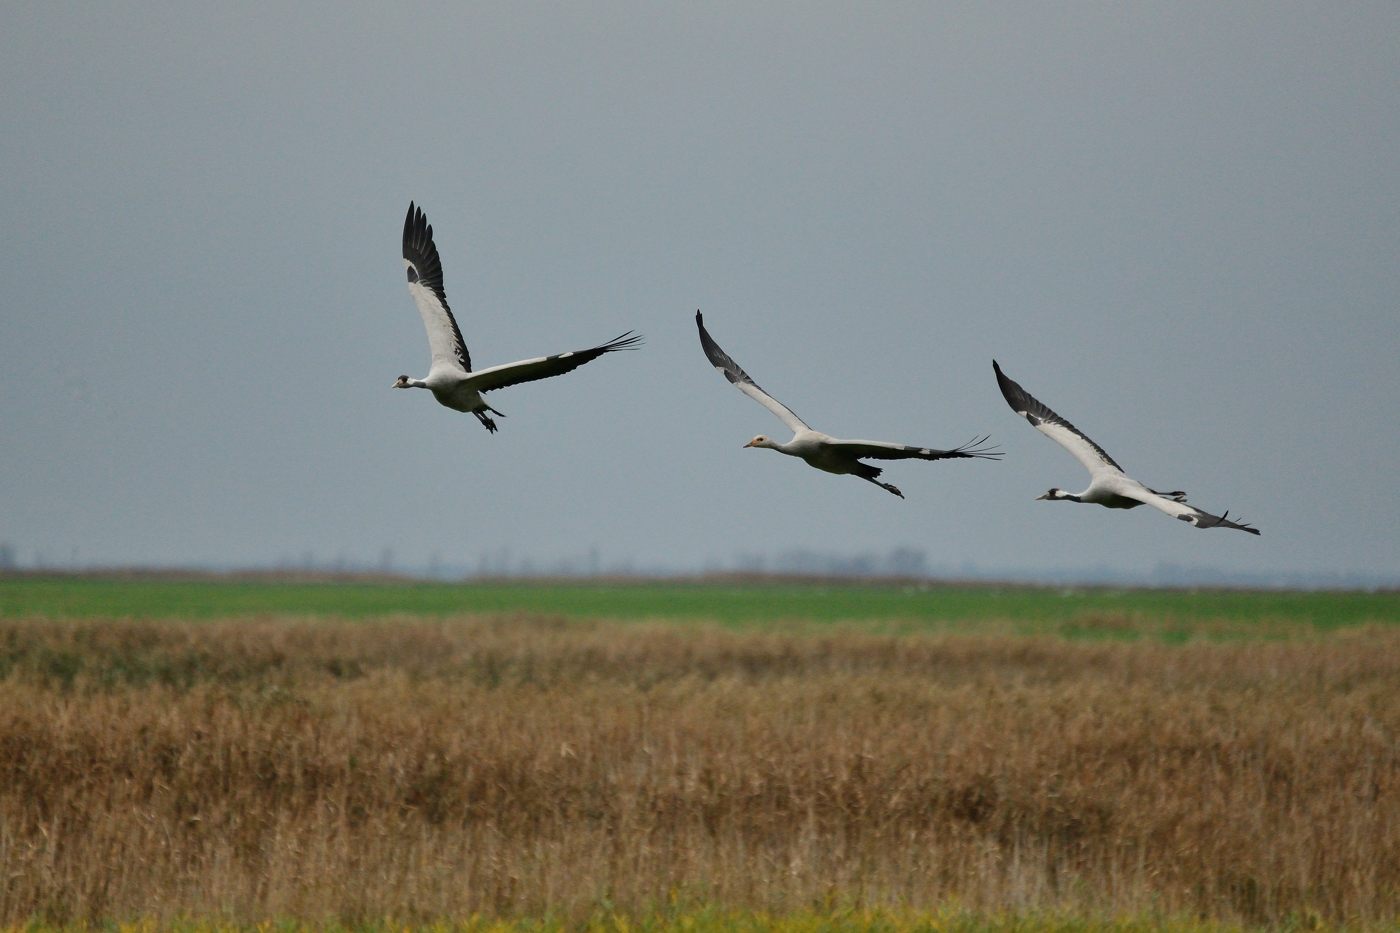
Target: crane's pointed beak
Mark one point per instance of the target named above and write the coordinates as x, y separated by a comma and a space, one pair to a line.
749, 444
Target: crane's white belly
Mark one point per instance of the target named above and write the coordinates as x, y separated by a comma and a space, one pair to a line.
456, 395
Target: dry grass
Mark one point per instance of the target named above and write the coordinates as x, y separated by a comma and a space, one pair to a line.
528, 767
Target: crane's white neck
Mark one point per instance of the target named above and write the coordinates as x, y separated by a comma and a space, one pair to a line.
764, 440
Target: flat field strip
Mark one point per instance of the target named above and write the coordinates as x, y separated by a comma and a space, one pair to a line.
1101, 612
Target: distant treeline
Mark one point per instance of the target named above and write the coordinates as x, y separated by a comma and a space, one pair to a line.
903, 562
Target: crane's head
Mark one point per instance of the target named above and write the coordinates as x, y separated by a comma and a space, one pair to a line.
760, 441
401, 383
1056, 493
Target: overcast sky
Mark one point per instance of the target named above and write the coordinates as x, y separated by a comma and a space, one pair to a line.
1176, 224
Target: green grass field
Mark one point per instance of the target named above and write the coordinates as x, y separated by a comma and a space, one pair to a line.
1082, 612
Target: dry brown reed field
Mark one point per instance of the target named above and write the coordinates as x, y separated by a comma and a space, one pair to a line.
529, 767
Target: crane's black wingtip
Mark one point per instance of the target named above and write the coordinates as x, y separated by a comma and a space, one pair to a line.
1223, 521
1242, 525
708, 342
977, 448
1018, 398
417, 233
627, 340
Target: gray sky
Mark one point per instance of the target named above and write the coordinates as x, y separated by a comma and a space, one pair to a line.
1176, 224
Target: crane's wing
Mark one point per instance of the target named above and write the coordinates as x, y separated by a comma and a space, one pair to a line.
743, 383
420, 258
1095, 459
509, 374
1180, 509
881, 450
